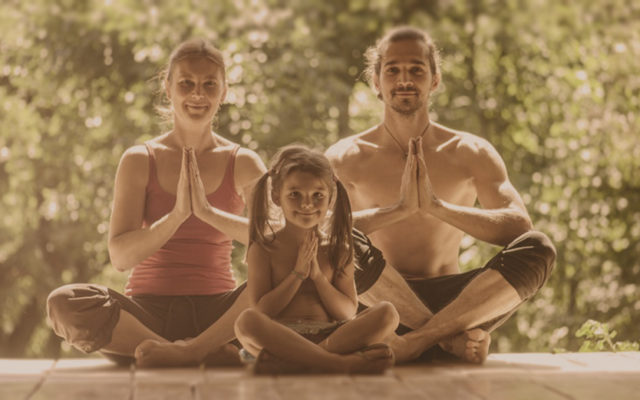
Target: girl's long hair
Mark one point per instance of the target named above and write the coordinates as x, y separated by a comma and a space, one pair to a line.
299, 158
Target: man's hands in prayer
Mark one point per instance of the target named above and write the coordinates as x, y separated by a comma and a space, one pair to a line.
426, 198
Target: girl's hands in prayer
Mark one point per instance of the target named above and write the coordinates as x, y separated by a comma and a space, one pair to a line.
307, 252
315, 272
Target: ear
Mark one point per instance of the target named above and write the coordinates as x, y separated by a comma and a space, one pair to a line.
275, 197
436, 82
166, 89
376, 83
223, 96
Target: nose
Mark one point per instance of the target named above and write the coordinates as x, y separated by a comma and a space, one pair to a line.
307, 203
197, 91
405, 80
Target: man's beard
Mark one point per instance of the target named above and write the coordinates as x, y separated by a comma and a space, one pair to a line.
406, 106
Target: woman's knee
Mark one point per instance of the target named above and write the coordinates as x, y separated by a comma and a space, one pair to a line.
58, 304
82, 314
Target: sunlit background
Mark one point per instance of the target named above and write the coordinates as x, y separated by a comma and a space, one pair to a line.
556, 89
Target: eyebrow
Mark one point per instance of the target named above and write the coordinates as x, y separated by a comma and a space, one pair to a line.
319, 188
412, 61
189, 75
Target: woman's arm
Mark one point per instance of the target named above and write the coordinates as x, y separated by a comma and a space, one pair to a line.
338, 298
129, 243
248, 169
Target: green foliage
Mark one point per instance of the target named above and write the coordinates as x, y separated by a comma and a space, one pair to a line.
599, 337
557, 96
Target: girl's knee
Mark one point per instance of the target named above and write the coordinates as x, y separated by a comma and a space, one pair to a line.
248, 322
387, 314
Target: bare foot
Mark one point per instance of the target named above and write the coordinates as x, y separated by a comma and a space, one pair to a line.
226, 356
374, 359
402, 348
471, 346
151, 353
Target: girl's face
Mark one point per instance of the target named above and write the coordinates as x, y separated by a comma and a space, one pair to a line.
304, 199
196, 89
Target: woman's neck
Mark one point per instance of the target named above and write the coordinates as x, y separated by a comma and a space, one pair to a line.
197, 138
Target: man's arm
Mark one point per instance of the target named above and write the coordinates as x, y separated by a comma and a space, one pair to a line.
503, 216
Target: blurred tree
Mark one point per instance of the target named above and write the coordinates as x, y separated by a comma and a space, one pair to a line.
558, 96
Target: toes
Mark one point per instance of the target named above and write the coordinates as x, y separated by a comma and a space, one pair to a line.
477, 335
376, 352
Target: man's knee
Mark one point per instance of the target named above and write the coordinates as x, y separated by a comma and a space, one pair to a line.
527, 262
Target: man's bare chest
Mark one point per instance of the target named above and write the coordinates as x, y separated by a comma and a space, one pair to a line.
380, 184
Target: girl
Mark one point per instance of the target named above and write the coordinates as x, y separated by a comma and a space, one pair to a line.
301, 280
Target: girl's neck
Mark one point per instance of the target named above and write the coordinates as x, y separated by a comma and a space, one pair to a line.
294, 234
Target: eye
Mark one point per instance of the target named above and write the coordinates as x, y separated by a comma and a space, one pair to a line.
319, 195
417, 71
293, 195
392, 70
185, 82
210, 84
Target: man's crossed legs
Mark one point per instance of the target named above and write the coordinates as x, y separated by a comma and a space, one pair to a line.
459, 311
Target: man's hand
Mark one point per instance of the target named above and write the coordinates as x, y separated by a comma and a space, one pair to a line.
182, 207
427, 199
409, 200
199, 202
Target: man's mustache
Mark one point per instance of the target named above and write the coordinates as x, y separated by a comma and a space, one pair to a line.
404, 91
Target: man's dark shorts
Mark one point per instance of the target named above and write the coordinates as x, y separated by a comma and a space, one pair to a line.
525, 263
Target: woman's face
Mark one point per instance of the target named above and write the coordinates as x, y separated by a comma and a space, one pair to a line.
196, 89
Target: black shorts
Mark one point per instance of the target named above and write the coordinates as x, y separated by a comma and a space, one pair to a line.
369, 262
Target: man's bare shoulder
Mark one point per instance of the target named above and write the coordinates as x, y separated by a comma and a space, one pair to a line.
465, 145
352, 151
472, 152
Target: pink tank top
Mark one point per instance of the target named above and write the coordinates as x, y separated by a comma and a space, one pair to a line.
197, 258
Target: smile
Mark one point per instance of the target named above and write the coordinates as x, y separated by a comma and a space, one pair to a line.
198, 106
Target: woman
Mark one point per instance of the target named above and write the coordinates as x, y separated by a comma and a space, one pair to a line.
176, 209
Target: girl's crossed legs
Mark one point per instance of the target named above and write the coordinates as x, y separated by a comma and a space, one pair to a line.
346, 350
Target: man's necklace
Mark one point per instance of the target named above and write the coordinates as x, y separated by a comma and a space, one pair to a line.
405, 154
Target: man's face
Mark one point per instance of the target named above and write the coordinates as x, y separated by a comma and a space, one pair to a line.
405, 80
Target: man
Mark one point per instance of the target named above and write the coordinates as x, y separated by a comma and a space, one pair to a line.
439, 174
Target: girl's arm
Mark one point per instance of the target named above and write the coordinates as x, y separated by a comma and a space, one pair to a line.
262, 295
129, 242
340, 298
248, 169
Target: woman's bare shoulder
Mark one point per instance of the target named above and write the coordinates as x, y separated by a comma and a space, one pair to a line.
134, 164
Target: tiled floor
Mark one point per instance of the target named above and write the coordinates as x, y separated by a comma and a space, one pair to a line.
535, 376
